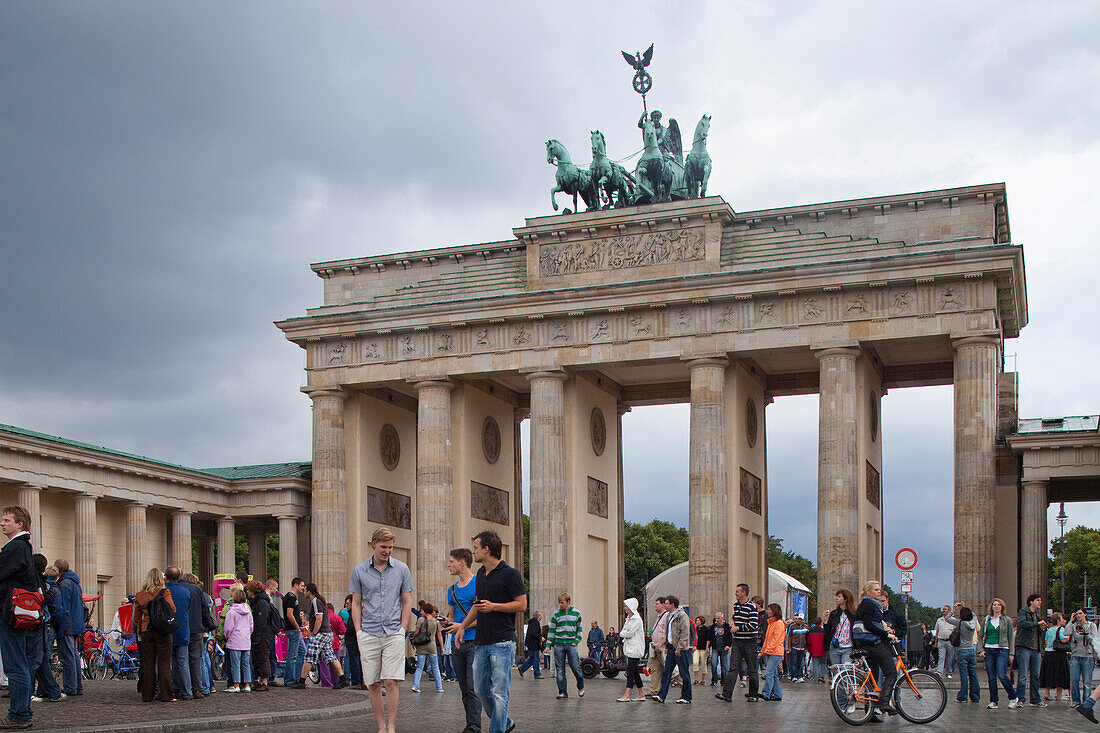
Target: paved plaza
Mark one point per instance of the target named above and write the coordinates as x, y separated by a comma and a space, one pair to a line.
114, 705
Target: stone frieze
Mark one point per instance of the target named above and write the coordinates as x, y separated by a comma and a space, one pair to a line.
622, 252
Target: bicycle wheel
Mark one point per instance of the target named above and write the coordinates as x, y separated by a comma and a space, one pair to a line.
924, 700
97, 666
844, 696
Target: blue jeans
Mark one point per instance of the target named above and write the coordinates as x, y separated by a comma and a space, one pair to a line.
181, 671
563, 654
719, 663
207, 672
353, 669
1080, 677
681, 661
1028, 661
448, 667
771, 676
493, 681
794, 660
47, 685
431, 663
996, 669
240, 665
532, 661
819, 667
71, 683
295, 655
20, 652
967, 662
840, 655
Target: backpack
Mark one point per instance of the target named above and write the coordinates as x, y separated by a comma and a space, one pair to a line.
422, 635
26, 609
161, 618
956, 637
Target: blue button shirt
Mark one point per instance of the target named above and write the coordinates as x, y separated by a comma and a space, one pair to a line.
381, 589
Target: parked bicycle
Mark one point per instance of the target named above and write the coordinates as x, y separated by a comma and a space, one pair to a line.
115, 658
919, 695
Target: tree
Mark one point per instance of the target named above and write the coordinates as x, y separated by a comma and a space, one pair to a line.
794, 565
1082, 550
651, 549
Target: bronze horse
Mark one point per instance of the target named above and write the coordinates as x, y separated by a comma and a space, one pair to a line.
614, 184
569, 178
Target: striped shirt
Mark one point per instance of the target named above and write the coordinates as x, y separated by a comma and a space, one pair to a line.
747, 621
565, 627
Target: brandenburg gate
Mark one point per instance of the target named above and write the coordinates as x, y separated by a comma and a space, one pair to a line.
421, 366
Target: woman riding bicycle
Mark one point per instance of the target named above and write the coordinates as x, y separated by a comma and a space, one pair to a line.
871, 635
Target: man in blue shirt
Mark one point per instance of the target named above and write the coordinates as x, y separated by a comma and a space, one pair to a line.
460, 599
381, 603
181, 637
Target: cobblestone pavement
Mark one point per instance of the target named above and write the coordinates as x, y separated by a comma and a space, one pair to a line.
116, 705
805, 708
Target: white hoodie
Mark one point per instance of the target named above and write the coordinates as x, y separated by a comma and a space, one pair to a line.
633, 631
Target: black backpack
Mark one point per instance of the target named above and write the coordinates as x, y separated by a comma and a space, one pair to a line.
161, 618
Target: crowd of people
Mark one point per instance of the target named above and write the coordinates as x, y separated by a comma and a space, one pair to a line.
471, 639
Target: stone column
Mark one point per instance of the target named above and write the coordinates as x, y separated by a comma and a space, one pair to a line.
205, 570
1033, 540
434, 487
288, 551
85, 545
329, 505
976, 366
137, 562
257, 553
181, 541
29, 499
708, 518
549, 528
518, 417
620, 539
227, 546
838, 474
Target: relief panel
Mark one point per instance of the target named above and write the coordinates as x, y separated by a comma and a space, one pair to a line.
488, 503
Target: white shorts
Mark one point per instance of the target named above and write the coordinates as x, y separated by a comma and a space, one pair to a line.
383, 657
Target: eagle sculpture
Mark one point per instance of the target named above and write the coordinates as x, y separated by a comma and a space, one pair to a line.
640, 60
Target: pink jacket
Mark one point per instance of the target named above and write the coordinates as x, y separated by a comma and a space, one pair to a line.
338, 629
238, 628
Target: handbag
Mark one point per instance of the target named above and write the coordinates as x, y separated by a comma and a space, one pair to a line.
1060, 644
422, 635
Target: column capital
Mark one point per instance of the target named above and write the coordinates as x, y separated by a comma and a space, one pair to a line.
181, 512
136, 505
325, 392
697, 362
558, 374
225, 519
847, 352
31, 487
281, 517
965, 341
422, 383
1035, 483
519, 414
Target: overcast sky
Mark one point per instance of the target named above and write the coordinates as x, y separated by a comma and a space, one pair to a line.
170, 170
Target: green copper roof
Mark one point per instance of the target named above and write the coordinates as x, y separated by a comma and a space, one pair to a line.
268, 470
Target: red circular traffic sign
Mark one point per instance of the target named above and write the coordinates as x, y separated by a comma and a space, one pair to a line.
906, 558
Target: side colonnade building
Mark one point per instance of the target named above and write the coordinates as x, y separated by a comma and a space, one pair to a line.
114, 515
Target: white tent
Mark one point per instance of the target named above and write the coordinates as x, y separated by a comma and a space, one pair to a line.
791, 595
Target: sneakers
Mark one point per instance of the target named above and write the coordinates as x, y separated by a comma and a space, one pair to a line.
9, 724
344, 683
723, 698
59, 698
1017, 703
415, 689
992, 706
683, 701
246, 688
520, 670
296, 685
1087, 712
233, 689
656, 699
563, 696
580, 693
1039, 704
35, 698
744, 683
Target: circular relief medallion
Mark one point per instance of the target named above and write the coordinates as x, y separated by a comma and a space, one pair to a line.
389, 447
752, 424
599, 431
490, 439
874, 416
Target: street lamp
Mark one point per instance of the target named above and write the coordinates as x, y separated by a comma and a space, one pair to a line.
1061, 519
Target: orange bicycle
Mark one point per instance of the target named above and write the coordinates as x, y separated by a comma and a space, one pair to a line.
918, 695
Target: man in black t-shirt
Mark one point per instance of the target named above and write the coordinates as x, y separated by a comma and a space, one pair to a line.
295, 648
319, 651
500, 596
